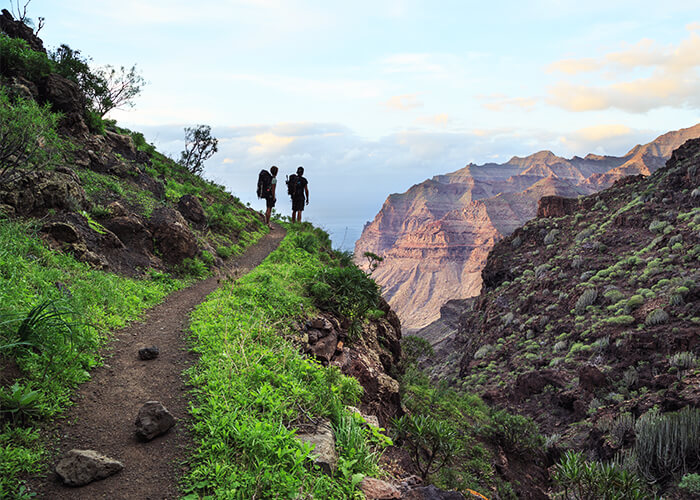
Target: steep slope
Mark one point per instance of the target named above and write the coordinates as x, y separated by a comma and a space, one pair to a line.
589, 316
435, 237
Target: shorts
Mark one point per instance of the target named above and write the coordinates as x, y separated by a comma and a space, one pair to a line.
270, 201
298, 204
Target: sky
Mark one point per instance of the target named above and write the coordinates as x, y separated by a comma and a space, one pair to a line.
372, 97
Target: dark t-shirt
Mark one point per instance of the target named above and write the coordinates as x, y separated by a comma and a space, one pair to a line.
301, 183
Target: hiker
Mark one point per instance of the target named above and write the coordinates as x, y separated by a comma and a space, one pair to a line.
298, 189
267, 185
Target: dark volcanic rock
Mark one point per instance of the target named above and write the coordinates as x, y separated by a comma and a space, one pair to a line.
80, 467
323, 440
148, 353
153, 420
17, 29
172, 235
591, 378
556, 206
432, 492
132, 232
191, 209
37, 191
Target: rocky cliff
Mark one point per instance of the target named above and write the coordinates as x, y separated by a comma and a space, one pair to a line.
435, 237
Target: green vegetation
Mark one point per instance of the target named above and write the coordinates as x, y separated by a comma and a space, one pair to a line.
29, 137
582, 480
254, 389
55, 314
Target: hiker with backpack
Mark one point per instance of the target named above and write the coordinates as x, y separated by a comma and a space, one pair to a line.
298, 189
267, 184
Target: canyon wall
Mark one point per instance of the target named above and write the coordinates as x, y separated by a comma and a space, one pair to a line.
435, 237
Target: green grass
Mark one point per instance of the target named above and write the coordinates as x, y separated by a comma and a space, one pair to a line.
253, 388
89, 304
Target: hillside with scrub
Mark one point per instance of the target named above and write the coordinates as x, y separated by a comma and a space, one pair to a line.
294, 382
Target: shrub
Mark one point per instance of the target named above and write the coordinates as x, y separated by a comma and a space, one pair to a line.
224, 252
17, 59
551, 237
587, 298
20, 403
414, 347
431, 442
515, 433
684, 360
657, 226
577, 262
516, 242
613, 295
690, 482
656, 317
668, 444
483, 351
194, 267
582, 480
29, 137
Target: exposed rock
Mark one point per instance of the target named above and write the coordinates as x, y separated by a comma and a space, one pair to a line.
324, 348
117, 210
556, 206
591, 378
62, 232
431, 492
191, 209
153, 420
324, 446
172, 235
17, 29
131, 232
436, 236
122, 144
34, 192
148, 353
319, 323
155, 186
63, 94
80, 467
376, 489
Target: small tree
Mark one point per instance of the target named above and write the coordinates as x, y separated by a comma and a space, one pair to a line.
200, 145
373, 261
20, 13
432, 444
121, 87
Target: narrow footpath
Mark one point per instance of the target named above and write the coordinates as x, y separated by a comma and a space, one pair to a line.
106, 406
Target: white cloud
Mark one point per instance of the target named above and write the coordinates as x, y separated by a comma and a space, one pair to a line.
403, 102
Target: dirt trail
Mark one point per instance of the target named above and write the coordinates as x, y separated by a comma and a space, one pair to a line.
106, 406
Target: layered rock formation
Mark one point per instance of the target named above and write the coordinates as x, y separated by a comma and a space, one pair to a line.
435, 237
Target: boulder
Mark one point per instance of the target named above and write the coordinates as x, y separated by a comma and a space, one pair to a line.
122, 144
155, 186
172, 235
191, 209
432, 493
63, 94
319, 323
117, 210
131, 232
62, 232
324, 446
153, 420
376, 489
148, 353
34, 192
80, 467
324, 348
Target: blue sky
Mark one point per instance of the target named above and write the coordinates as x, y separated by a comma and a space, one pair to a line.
372, 97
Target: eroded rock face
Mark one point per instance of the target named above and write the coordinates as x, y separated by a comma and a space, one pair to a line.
17, 29
376, 489
191, 209
172, 235
37, 191
81, 467
435, 237
324, 446
132, 232
153, 420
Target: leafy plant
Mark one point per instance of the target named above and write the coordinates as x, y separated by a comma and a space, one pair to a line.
515, 433
582, 480
431, 442
587, 298
690, 483
20, 403
656, 317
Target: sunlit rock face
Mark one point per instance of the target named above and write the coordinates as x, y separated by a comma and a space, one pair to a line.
435, 237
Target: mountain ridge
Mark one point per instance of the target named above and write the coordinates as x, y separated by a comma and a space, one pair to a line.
461, 214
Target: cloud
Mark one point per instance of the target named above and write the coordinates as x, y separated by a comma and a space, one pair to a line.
403, 102
603, 139
602, 132
671, 78
440, 120
498, 102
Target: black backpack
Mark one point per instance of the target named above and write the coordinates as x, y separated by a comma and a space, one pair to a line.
292, 185
264, 183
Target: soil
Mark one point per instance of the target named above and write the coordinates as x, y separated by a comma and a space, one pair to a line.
105, 409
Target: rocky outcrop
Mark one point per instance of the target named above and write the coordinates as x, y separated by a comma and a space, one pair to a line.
322, 439
17, 29
435, 237
556, 206
172, 235
191, 209
35, 192
81, 467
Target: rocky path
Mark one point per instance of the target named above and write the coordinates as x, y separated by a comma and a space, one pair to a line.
106, 406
